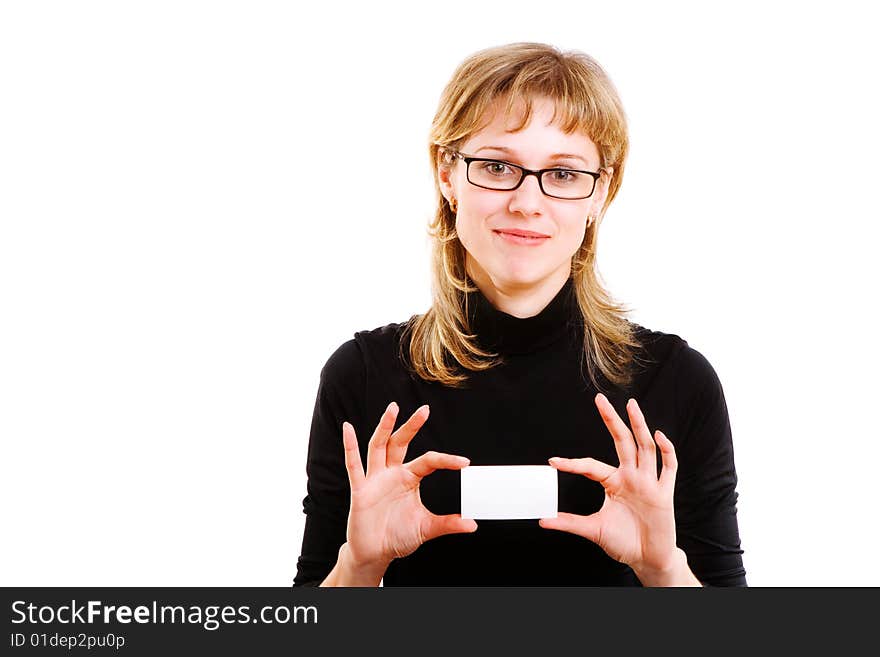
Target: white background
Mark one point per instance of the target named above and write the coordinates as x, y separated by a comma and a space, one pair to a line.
179, 255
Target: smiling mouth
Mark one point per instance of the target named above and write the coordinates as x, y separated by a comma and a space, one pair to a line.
535, 238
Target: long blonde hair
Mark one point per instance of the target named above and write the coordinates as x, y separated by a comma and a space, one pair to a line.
441, 344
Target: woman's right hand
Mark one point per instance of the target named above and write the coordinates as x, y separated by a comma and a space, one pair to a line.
387, 519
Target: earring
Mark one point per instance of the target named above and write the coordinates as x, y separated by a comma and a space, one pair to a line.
590, 220
454, 205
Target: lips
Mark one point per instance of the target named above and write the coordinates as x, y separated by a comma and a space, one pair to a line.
520, 233
524, 238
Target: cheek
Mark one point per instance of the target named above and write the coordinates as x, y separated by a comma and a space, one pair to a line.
575, 231
468, 231
474, 218
572, 230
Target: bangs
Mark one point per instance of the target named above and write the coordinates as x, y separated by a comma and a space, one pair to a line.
581, 102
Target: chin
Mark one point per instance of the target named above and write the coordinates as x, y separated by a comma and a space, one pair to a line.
520, 277
507, 270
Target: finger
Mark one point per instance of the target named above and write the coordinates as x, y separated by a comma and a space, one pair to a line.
591, 468
352, 457
670, 461
376, 451
647, 453
401, 438
586, 526
623, 439
450, 524
431, 461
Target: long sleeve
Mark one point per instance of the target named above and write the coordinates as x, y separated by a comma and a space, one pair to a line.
705, 490
340, 394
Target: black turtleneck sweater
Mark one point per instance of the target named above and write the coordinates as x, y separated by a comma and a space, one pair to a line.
538, 404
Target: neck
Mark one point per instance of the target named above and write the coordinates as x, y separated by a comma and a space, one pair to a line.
517, 300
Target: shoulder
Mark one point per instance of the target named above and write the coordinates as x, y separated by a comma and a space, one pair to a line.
382, 338
366, 348
684, 384
670, 356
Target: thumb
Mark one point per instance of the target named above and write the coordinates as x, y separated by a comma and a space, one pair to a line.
586, 526
449, 524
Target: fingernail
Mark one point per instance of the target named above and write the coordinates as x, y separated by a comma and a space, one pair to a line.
391, 406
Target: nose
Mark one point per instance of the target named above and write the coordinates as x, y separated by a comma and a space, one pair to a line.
528, 197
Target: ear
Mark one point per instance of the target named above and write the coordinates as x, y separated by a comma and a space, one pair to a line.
602, 187
444, 176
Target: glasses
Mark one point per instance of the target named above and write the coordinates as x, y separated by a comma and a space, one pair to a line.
558, 182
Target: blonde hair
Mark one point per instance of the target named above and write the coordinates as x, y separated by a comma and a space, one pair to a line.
441, 343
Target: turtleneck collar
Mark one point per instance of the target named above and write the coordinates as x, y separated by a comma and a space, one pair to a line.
506, 334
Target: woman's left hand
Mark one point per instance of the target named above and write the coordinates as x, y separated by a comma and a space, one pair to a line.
636, 524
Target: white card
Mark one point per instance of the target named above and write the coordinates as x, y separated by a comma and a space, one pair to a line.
507, 492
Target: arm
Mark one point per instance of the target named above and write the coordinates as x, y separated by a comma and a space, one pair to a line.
342, 384
385, 515
705, 490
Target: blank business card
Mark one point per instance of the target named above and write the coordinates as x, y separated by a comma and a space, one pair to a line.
509, 492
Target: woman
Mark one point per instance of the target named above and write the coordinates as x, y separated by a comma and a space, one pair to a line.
523, 358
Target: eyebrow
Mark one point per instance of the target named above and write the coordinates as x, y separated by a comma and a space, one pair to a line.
555, 156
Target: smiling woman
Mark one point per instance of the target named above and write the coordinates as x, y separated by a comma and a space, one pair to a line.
486, 223
522, 359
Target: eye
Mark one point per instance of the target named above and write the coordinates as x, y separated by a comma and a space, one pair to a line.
496, 168
564, 176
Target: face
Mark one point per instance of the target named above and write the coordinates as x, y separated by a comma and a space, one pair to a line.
484, 215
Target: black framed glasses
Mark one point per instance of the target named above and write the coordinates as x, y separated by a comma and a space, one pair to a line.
556, 182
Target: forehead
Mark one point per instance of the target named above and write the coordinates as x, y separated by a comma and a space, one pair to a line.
542, 135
